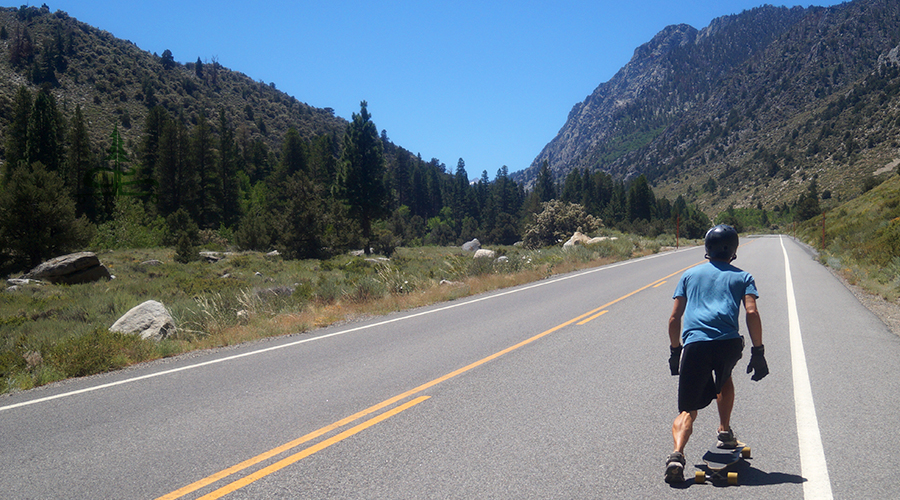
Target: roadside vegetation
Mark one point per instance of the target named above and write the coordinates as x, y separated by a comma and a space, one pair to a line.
52, 332
861, 239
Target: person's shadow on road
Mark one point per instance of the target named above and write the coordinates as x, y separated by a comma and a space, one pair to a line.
749, 476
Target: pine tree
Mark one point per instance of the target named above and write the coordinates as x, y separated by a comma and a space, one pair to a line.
228, 159
361, 181
43, 68
44, 143
168, 60
461, 201
641, 200
293, 154
154, 125
202, 162
544, 186
399, 178
17, 133
808, 203
302, 222
323, 160
21, 50
506, 202
37, 217
573, 187
79, 164
177, 182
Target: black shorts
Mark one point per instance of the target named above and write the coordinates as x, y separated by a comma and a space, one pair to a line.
705, 367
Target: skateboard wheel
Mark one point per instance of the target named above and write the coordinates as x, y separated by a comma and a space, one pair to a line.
732, 478
699, 477
745, 453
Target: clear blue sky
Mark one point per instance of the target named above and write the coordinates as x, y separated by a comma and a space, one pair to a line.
491, 82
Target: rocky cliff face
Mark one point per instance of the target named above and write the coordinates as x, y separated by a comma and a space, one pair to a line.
694, 104
669, 75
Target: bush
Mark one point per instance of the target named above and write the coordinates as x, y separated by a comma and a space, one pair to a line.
384, 242
183, 231
185, 250
254, 232
557, 222
131, 227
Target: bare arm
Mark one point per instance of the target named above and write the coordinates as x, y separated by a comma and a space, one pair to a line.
675, 321
754, 323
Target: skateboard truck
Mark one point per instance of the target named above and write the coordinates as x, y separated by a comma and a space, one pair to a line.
720, 462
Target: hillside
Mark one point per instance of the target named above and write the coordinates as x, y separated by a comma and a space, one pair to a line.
121, 148
748, 110
115, 81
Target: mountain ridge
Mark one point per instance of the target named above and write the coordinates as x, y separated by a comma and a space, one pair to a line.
116, 81
698, 104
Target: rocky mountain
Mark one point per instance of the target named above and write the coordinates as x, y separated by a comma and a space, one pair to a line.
748, 110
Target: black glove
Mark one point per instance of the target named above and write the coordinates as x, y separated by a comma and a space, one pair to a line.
674, 359
758, 365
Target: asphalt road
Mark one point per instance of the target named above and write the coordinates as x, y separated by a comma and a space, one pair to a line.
559, 389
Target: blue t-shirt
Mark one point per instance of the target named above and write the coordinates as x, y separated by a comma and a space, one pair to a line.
714, 292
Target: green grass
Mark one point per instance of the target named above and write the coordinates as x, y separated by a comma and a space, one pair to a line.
862, 239
51, 332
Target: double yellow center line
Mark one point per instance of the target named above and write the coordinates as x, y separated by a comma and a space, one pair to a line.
240, 483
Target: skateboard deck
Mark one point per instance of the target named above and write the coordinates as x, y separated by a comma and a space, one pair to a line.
720, 463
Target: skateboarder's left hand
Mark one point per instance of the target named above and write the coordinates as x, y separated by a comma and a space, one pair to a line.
758, 365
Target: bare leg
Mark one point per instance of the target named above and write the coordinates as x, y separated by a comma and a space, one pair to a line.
682, 429
725, 403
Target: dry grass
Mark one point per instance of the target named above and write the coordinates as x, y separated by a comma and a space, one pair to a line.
231, 301
315, 315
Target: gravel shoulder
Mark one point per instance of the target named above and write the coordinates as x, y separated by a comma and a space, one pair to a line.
888, 312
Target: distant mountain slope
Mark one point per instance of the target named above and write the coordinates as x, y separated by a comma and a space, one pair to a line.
114, 80
761, 102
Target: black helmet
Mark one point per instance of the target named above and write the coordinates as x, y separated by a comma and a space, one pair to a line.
721, 243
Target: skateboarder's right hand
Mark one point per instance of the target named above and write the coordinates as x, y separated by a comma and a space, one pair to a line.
674, 359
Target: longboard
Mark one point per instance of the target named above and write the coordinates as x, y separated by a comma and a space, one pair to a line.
720, 463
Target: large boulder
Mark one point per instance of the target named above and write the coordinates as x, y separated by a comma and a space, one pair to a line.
484, 254
472, 246
150, 320
577, 239
72, 269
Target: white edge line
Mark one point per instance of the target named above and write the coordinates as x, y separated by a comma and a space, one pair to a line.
813, 466
322, 337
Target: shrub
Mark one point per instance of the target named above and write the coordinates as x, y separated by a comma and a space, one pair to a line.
254, 232
557, 222
130, 227
183, 231
185, 249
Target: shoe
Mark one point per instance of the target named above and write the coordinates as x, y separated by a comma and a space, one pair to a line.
675, 468
726, 440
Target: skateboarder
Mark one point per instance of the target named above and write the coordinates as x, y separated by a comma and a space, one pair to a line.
708, 298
